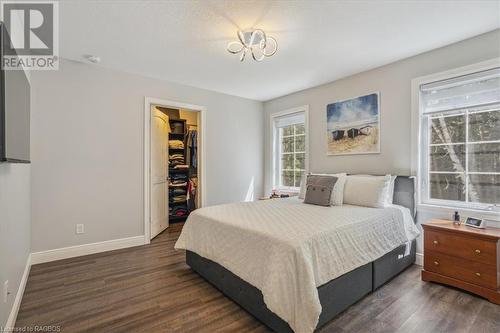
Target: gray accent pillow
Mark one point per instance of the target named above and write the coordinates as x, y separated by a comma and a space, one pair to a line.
319, 189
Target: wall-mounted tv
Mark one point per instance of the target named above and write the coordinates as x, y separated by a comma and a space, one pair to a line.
14, 110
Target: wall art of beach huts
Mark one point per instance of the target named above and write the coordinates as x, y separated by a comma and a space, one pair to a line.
353, 125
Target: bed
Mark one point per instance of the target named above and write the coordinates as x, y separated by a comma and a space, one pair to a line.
272, 257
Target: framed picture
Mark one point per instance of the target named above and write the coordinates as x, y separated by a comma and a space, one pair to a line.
353, 126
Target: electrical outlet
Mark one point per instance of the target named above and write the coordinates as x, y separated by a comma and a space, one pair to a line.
80, 229
5, 291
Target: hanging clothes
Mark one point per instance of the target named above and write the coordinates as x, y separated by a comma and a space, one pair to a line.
191, 194
192, 143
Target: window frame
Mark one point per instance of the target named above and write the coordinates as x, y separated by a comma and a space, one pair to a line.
420, 140
276, 153
426, 164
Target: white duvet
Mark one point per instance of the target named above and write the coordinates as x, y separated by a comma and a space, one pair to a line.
287, 248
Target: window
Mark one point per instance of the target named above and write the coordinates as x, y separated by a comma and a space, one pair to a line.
289, 153
460, 140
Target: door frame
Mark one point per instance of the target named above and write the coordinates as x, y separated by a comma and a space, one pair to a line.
148, 103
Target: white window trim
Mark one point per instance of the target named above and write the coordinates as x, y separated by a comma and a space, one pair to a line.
273, 145
416, 133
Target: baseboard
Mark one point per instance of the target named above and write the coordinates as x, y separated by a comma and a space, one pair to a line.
419, 259
85, 249
11, 321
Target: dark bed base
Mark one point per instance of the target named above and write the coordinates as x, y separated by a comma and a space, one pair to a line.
335, 296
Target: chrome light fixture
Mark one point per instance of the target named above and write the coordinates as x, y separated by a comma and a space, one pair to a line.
255, 42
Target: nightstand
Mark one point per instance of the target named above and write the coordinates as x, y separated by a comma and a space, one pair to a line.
463, 257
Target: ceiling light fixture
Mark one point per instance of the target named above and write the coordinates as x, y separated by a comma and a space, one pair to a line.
255, 42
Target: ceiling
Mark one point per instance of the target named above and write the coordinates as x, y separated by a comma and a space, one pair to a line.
319, 41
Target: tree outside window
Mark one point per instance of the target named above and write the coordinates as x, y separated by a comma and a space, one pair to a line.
292, 155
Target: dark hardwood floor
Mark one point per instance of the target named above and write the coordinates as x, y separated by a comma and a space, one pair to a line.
151, 289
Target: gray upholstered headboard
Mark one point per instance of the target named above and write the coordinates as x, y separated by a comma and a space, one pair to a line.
404, 193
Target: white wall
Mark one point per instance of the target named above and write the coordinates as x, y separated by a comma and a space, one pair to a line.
87, 151
15, 229
393, 81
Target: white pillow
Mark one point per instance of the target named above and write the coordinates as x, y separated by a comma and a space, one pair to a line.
390, 191
302, 191
369, 191
337, 197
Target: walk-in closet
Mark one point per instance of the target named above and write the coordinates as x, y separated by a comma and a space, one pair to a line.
174, 166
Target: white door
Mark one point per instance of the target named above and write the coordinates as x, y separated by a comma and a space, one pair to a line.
159, 172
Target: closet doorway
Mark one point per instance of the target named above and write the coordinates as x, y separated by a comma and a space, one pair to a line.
173, 163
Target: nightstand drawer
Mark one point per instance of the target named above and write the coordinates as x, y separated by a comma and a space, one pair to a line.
461, 246
461, 269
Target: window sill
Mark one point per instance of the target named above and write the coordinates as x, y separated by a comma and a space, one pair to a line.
483, 214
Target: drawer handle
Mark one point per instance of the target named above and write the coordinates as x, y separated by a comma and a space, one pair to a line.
478, 251
436, 263
478, 274
435, 242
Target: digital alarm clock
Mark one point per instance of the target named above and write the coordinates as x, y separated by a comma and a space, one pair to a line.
475, 223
